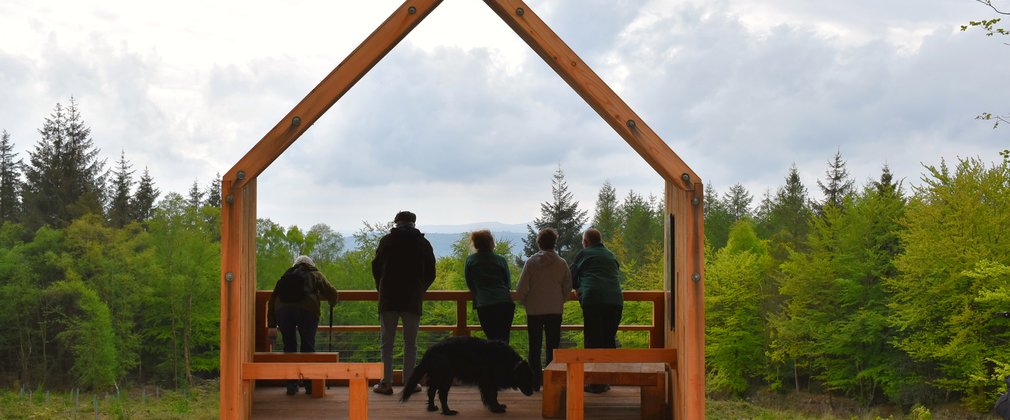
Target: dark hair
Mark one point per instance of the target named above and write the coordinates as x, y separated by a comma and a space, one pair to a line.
482, 240
547, 239
405, 216
593, 236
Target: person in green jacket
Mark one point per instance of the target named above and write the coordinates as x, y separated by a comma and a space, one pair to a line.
596, 277
488, 278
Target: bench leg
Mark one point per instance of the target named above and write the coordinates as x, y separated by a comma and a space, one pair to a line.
653, 402
318, 388
553, 395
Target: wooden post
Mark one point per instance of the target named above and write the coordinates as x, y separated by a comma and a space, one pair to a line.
574, 395
685, 280
238, 288
460, 318
358, 398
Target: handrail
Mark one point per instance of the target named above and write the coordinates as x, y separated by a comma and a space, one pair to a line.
461, 297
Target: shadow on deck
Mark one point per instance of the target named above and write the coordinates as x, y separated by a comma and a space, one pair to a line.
621, 402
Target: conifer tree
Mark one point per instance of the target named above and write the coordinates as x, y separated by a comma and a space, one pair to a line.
737, 202
142, 202
213, 192
562, 214
838, 186
195, 199
119, 192
717, 219
606, 218
64, 179
640, 227
10, 181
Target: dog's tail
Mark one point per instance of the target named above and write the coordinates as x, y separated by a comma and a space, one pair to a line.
411, 383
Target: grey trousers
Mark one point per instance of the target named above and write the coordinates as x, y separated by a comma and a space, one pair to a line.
411, 323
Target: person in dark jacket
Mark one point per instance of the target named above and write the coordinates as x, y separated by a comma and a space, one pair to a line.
301, 316
403, 268
488, 278
596, 276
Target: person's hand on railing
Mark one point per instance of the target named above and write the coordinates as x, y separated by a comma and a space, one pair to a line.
272, 334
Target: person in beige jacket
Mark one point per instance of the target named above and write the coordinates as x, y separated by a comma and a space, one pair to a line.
543, 288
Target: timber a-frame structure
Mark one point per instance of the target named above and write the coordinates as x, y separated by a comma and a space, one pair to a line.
684, 276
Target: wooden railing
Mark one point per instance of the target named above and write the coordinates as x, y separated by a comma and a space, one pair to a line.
462, 298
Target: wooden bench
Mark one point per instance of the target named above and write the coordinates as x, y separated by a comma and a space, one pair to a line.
357, 375
318, 385
572, 368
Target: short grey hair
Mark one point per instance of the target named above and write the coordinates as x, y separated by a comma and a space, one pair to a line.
304, 259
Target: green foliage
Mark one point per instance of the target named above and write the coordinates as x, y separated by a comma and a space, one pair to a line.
86, 330
561, 213
10, 181
953, 277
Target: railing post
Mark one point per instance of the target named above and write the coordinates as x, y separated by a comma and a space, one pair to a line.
460, 318
656, 338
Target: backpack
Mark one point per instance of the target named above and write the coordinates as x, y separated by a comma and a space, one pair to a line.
294, 285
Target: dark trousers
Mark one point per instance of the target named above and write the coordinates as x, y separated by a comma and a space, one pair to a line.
292, 319
538, 325
601, 325
496, 320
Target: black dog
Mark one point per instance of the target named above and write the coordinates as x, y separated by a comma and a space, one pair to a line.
491, 365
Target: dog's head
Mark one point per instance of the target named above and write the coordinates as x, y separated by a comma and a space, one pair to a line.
522, 377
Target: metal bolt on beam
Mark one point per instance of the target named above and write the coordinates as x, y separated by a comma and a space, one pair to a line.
240, 175
696, 277
229, 276
296, 121
631, 124
685, 177
229, 199
695, 201
520, 11
411, 10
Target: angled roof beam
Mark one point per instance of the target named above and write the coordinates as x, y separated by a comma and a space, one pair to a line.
327, 92
594, 91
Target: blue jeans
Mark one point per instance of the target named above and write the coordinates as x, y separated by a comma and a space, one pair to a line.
387, 334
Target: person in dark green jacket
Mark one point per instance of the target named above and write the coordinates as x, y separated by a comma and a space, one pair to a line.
596, 277
488, 278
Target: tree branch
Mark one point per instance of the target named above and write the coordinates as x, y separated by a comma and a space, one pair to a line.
993, 7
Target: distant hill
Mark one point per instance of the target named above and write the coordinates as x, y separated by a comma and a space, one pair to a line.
443, 236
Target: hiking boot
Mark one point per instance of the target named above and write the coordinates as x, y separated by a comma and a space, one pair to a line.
596, 388
383, 388
308, 387
417, 388
292, 387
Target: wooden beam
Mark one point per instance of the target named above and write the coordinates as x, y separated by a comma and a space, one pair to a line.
251, 371
553, 50
331, 89
574, 396
688, 286
238, 288
317, 357
669, 356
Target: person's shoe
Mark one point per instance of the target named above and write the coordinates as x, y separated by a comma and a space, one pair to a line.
417, 388
292, 388
383, 388
308, 387
596, 388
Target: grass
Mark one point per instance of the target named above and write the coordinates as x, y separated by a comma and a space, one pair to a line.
147, 403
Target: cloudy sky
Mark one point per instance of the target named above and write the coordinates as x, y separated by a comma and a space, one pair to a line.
462, 123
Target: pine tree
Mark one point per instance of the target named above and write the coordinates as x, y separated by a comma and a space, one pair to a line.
606, 217
737, 202
142, 202
563, 215
640, 228
65, 179
839, 185
195, 199
717, 219
788, 216
213, 192
119, 192
10, 181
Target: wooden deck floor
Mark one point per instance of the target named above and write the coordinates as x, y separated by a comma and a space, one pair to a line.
272, 403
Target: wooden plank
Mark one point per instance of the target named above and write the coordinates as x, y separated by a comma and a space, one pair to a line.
574, 398
553, 50
331, 89
311, 371
238, 218
317, 357
616, 356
